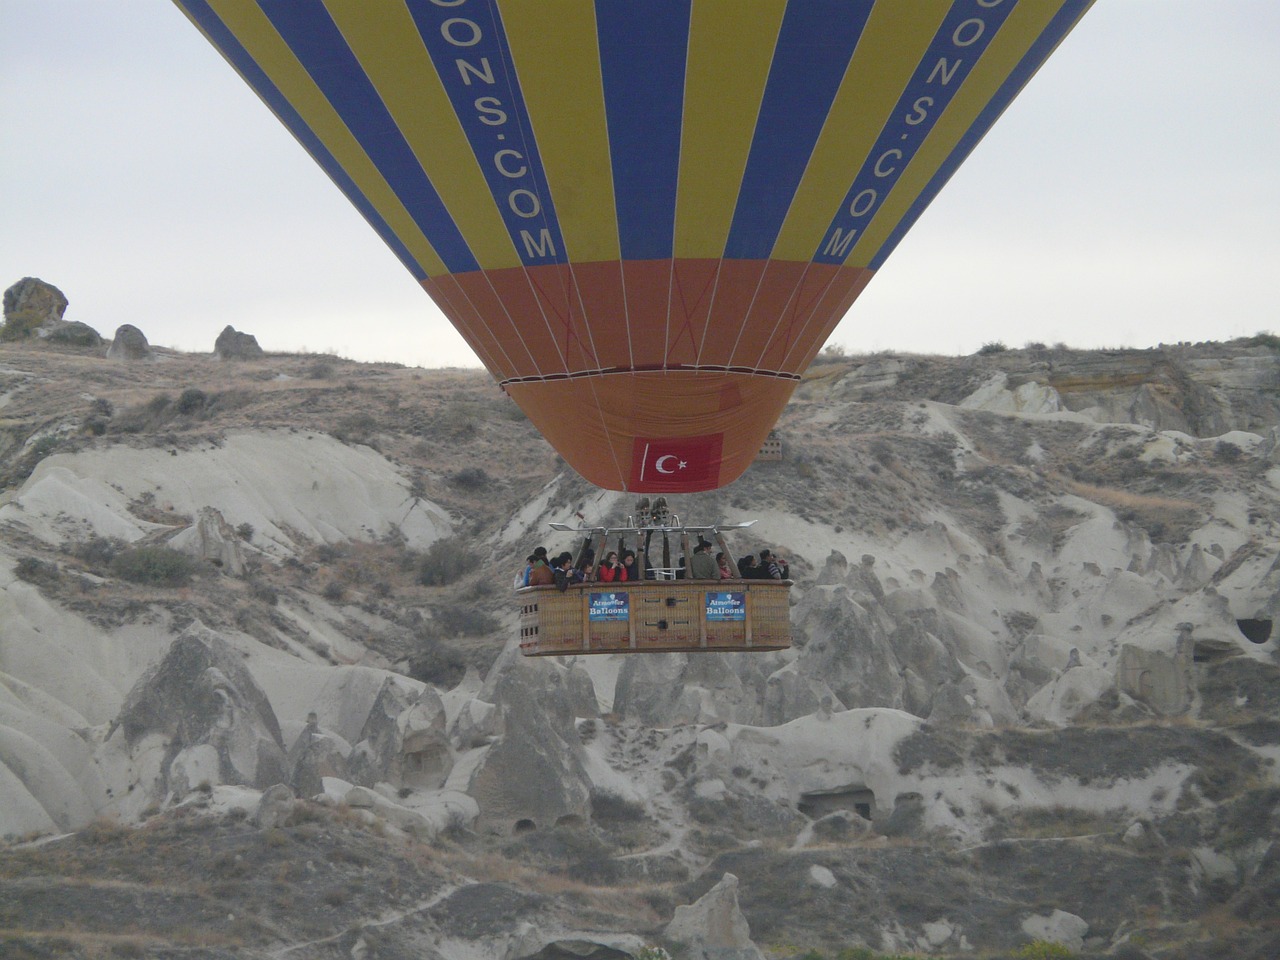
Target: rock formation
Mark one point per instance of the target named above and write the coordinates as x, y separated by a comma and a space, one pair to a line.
198, 717
714, 928
533, 777
129, 343
214, 541
28, 304
234, 345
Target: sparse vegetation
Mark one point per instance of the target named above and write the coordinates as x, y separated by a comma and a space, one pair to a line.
1043, 950
191, 401
447, 561
470, 478
156, 566
1228, 452
34, 570
1264, 339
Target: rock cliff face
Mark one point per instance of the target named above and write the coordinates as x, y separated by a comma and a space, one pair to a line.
1034, 692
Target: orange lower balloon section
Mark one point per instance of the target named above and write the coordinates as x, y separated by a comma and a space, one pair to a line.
673, 431
653, 376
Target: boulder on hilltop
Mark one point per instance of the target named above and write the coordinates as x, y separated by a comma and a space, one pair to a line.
234, 345
129, 343
29, 304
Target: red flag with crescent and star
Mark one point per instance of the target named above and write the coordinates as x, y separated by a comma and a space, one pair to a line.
676, 464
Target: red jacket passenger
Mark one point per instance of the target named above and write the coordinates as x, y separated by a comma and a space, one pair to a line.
612, 571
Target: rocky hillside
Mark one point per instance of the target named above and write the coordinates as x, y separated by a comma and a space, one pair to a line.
259, 692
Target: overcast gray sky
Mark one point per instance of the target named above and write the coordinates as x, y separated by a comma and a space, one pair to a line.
1131, 195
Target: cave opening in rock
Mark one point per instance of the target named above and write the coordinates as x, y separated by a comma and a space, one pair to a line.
1255, 630
857, 798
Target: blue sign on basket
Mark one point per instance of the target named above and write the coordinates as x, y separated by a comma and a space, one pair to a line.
726, 606
610, 606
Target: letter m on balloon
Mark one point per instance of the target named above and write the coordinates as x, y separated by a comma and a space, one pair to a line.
839, 243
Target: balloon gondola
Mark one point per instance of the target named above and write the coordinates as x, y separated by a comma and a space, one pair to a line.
644, 218
665, 612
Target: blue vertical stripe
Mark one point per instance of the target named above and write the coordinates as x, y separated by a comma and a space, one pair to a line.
643, 50
471, 54
1059, 27
315, 40
239, 58
966, 32
814, 47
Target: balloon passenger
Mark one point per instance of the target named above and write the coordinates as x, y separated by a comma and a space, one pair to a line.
701, 565
722, 563
541, 575
775, 567
612, 571
563, 572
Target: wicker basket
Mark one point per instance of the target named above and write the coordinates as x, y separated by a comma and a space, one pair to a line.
660, 616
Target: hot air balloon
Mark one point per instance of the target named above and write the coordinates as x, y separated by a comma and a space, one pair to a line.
645, 218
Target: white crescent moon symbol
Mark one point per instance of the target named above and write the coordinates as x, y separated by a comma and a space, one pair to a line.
658, 464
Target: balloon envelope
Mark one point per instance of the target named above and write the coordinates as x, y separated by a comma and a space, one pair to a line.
645, 218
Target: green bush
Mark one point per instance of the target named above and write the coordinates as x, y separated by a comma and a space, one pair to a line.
1228, 452
357, 428
434, 662
18, 328
1043, 950
42, 448
446, 561
158, 566
993, 346
831, 353
1264, 338
191, 401
34, 570
98, 551
459, 619
470, 478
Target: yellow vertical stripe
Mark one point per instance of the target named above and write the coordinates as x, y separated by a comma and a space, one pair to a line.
1020, 31
730, 49
385, 40
553, 44
272, 54
888, 53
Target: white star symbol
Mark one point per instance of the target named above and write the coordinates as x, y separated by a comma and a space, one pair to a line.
681, 465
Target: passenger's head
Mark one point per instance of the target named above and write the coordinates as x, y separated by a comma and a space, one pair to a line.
748, 561
612, 557
765, 555
540, 552
628, 556
720, 558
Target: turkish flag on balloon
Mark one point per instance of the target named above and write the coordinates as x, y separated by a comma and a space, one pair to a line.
676, 464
